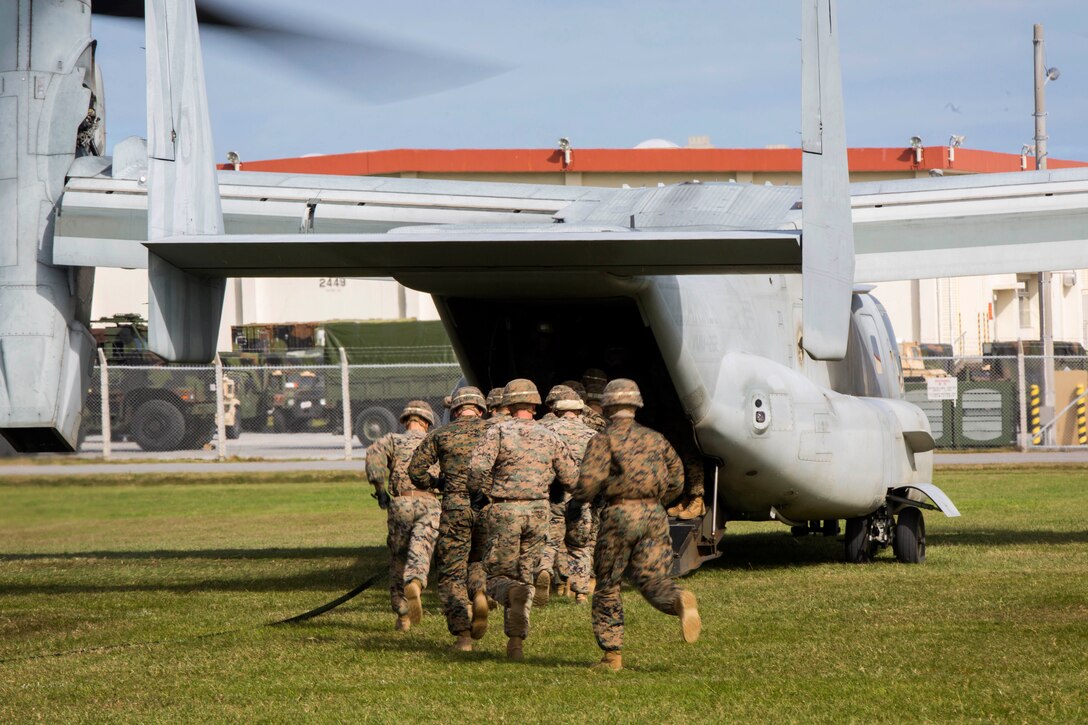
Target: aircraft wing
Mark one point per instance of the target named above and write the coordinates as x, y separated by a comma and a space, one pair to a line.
453, 251
1033, 221
103, 219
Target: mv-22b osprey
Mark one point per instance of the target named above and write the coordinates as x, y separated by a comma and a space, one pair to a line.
734, 306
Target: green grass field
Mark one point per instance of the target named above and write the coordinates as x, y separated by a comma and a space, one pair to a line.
994, 627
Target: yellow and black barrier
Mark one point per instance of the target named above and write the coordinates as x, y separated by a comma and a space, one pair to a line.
1036, 438
1082, 429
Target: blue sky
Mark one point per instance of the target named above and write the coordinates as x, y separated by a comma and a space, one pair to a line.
612, 74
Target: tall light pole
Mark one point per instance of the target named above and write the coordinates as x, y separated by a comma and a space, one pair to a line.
1046, 316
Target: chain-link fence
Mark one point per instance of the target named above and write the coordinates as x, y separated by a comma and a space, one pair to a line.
335, 411
259, 411
1002, 401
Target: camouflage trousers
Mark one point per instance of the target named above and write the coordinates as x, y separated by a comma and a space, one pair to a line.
413, 529
694, 473
556, 557
581, 555
461, 574
517, 532
634, 542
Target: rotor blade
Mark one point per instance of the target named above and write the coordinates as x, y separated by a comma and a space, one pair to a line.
374, 67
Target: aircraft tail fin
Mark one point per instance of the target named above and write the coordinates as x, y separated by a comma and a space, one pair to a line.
182, 187
827, 236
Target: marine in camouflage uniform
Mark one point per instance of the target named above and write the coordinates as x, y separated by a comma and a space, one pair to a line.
566, 422
515, 466
496, 411
461, 576
412, 513
691, 504
594, 386
635, 469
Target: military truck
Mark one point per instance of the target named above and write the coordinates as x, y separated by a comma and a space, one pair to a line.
403, 359
916, 367
159, 406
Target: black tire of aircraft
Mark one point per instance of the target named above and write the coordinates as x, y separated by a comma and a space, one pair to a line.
859, 549
910, 536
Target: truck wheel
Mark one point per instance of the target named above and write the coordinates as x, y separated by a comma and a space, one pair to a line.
200, 431
373, 423
158, 426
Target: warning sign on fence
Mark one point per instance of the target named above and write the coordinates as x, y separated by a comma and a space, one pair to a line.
943, 388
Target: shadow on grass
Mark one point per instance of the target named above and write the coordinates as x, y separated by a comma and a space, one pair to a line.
369, 561
780, 550
316, 552
537, 651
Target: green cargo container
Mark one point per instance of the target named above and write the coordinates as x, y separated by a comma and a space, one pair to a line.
939, 412
986, 414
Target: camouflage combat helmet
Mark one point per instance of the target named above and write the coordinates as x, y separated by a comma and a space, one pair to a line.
520, 390
494, 398
468, 395
577, 387
622, 391
594, 376
594, 392
562, 397
420, 408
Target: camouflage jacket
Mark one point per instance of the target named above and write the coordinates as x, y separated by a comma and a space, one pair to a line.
387, 461
572, 431
629, 460
519, 459
547, 417
451, 448
496, 419
594, 420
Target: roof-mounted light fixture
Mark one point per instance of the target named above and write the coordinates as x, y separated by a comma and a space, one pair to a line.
916, 144
564, 146
1027, 150
234, 160
954, 142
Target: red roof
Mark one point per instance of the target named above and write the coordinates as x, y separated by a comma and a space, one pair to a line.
675, 160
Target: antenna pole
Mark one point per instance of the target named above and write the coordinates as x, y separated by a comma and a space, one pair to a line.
1046, 314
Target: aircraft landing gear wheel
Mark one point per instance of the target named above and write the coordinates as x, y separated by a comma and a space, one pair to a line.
859, 549
830, 527
910, 536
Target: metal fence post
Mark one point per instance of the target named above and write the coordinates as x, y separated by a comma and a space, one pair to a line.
345, 402
1022, 439
220, 421
104, 384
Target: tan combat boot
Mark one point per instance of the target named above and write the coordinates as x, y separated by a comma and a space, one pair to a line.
412, 594
674, 511
464, 642
479, 615
562, 588
611, 662
543, 588
693, 510
517, 609
688, 611
513, 649
403, 623
592, 585
580, 598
